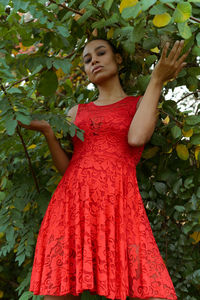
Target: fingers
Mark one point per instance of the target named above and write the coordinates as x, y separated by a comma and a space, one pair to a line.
179, 69
183, 57
164, 51
176, 50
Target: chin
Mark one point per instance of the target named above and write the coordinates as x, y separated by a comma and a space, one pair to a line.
101, 78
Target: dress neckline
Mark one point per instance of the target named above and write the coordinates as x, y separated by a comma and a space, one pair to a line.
111, 103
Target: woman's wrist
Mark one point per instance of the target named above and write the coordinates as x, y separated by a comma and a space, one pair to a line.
48, 132
157, 81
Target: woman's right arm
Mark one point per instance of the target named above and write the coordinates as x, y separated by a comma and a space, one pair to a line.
59, 156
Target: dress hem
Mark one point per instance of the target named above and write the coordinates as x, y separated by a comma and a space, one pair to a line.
94, 292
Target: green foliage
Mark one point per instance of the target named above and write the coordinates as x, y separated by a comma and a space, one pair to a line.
42, 76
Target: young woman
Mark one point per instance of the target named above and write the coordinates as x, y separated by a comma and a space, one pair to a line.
95, 234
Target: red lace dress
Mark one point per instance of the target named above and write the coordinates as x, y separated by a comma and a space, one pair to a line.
95, 234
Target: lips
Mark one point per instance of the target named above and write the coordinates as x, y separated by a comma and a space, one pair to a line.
96, 69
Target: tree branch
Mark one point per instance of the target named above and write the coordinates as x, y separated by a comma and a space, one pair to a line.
27, 77
73, 10
175, 120
192, 18
197, 91
99, 9
29, 160
24, 145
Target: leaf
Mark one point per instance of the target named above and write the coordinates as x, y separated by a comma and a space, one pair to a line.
198, 192
166, 1
127, 3
177, 185
91, 11
187, 227
33, 146
188, 183
4, 182
27, 207
48, 83
109, 22
10, 125
188, 133
19, 4
63, 31
197, 154
110, 33
150, 43
196, 237
182, 151
182, 12
108, 4
150, 59
198, 39
155, 50
194, 71
192, 120
26, 295
2, 196
158, 9
179, 208
131, 12
10, 234
196, 50
64, 64
176, 132
72, 130
159, 140
84, 3
20, 258
23, 118
14, 90
161, 20
160, 187
149, 153
5, 2
170, 107
37, 69
146, 4
184, 30
143, 82
166, 120
195, 139
80, 135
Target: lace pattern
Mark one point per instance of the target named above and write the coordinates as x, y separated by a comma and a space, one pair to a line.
95, 234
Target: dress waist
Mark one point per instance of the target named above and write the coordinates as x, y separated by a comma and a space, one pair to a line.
98, 158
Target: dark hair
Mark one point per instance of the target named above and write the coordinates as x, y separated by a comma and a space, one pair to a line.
115, 48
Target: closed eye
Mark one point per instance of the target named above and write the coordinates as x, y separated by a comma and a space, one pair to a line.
87, 60
99, 54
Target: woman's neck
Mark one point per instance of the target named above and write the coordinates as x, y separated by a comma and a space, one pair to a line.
110, 91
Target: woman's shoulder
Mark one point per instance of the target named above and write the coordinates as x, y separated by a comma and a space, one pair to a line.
74, 110
72, 113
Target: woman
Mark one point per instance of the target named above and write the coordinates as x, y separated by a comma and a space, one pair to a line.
95, 234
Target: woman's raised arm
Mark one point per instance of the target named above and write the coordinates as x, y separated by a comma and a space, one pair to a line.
144, 121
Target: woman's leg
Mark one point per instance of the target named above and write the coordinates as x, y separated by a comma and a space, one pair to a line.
67, 297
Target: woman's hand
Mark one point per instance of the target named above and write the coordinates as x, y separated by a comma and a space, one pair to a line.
168, 67
38, 125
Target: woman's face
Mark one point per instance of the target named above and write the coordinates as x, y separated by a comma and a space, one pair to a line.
100, 62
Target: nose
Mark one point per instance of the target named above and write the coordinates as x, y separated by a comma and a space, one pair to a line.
94, 60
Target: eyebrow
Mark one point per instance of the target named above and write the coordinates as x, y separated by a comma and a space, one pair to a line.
95, 50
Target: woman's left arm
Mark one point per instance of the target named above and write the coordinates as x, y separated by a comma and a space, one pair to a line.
144, 120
